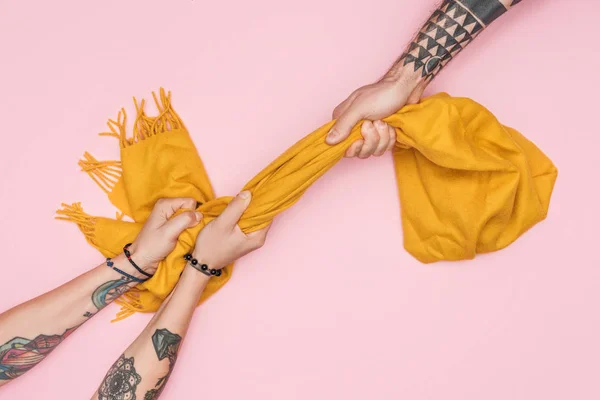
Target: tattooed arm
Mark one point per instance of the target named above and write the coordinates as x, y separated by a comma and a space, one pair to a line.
450, 28
32, 330
143, 370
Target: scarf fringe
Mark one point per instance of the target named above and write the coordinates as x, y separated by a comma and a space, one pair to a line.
129, 301
122, 314
107, 173
144, 126
130, 304
104, 173
85, 222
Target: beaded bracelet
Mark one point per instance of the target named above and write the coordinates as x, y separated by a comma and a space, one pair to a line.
202, 267
111, 264
128, 255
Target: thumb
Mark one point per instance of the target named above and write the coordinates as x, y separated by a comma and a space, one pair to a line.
181, 222
232, 214
342, 127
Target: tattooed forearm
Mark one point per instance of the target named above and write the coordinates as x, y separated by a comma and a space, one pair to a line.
19, 355
488, 10
166, 345
109, 291
449, 30
121, 381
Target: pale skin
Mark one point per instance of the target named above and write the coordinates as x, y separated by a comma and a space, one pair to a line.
453, 26
220, 243
30, 331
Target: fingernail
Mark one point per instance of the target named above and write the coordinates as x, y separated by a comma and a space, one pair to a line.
198, 216
331, 135
245, 194
380, 124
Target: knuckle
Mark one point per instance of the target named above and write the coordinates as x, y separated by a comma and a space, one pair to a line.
188, 217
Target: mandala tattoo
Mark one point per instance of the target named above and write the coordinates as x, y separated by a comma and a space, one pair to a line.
109, 291
449, 30
166, 345
121, 381
19, 355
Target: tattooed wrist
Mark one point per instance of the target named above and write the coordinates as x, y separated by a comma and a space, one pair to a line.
447, 32
122, 263
113, 288
403, 76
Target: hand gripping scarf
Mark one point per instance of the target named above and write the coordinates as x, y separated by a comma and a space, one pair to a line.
467, 185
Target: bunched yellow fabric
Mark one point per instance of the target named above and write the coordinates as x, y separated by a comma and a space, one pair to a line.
467, 185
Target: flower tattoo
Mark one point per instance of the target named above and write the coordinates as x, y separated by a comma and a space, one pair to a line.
120, 382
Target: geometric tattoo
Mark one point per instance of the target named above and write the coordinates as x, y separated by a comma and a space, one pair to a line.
166, 345
19, 355
449, 30
120, 382
109, 291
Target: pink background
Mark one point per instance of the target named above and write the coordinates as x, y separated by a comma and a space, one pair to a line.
332, 307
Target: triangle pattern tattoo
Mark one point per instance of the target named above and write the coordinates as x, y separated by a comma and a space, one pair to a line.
461, 20
457, 8
450, 42
441, 52
451, 13
430, 26
438, 16
423, 53
444, 7
440, 32
448, 22
452, 29
431, 44
459, 31
460, 37
471, 27
476, 30
418, 65
469, 19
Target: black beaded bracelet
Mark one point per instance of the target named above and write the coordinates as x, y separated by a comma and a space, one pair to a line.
202, 267
128, 255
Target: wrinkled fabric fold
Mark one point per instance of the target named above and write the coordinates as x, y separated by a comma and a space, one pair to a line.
467, 184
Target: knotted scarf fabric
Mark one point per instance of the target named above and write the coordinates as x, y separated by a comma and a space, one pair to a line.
467, 184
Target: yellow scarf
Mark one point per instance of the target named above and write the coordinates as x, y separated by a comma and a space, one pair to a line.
467, 185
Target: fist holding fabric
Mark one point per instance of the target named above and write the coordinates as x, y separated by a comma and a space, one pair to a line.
373, 103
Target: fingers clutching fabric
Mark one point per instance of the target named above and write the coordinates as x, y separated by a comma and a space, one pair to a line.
222, 241
466, 183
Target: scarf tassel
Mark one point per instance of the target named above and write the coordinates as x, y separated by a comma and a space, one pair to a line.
144, 126
104, 173
130, 304
85, 222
